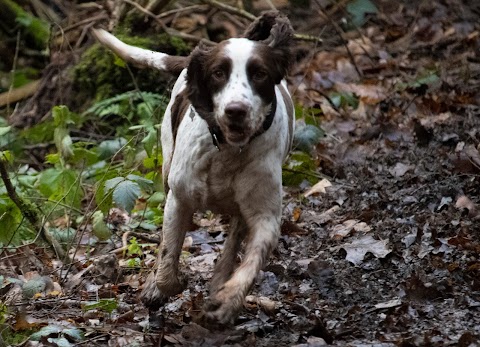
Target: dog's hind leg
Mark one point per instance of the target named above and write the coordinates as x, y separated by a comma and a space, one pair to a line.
226, 264
164, 282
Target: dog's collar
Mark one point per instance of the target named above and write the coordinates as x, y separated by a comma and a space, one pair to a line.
217, 135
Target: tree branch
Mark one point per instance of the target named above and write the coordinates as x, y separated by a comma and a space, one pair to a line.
29, 211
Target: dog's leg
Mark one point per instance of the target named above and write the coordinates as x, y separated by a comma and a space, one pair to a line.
164, 281
226, 264
228, 300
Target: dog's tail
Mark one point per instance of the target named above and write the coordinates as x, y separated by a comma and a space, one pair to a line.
141, 57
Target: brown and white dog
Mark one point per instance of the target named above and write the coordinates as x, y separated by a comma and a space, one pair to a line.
225, 134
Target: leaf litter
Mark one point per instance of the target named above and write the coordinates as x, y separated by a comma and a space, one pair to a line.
387, 255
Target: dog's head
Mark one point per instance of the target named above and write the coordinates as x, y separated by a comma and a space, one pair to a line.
232, 85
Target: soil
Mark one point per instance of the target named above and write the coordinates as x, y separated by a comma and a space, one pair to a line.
389, 253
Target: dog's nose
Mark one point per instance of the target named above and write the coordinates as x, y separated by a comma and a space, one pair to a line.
236, 110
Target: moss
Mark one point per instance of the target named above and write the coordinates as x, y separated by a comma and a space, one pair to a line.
100, 75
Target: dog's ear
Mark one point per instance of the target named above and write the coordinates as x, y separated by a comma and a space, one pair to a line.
271, 28
260, 28
274, 29
197, 90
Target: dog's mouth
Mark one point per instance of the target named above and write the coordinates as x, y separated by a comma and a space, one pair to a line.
236, 135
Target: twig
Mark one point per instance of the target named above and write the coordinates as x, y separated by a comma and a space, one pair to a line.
231, 9
338, 30
252, 17
270, 3
326, 97
180, 10
169, 31
81, 23
17, 94
148, 13
29, 211
157, 5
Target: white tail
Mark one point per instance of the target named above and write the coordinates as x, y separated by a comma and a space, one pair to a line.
140, 56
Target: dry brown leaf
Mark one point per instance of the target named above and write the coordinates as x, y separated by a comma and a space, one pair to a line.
357, 249
341, 230
296, 214
370, 94
399, 169
318, 188
464, 202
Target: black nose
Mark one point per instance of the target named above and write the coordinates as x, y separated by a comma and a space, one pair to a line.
236, 110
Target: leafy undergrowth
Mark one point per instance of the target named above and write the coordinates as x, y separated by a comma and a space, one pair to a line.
379, 243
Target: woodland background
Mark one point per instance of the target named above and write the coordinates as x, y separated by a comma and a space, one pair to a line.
380, 241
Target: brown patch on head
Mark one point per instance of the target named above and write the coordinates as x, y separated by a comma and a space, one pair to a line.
266, 68
208, 72
275, 36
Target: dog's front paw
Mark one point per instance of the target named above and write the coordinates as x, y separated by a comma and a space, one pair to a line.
223, 307
151, 296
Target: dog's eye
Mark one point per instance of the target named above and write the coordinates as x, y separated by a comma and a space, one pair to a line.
260, 75
218, 74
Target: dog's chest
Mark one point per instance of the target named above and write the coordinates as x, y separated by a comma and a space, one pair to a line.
204, 176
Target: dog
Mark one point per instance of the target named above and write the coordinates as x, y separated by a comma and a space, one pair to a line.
225, 134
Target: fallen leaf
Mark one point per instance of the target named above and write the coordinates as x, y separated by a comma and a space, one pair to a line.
296, 214
265, 303
323, 217
464, 202
399, 170
389, 304
357, 249
319, 187
341, 230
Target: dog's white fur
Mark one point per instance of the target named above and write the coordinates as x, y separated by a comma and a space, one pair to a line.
242, 179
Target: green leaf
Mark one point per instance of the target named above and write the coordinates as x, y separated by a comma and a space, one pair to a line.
125, 194
64, 236
81, 154
99, 227
125, 191
344, 99
107, 305
6, 156
74, 333
156, 199
153, 162
150, 140
53, 158
62, 116
45, 332
61, 185
112, 183
306, 137
59, 341
63, 142
10, 219
144, 183
5, 130
109, 148
359, 9
134, 248
299, 167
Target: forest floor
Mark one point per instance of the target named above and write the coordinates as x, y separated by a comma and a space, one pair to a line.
385, 251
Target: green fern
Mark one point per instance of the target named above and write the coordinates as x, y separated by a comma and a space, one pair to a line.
129, 104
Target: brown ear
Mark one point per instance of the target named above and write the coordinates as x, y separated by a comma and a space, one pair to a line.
197, 90
272, 28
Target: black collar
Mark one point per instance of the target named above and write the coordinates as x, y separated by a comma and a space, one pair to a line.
218, 138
